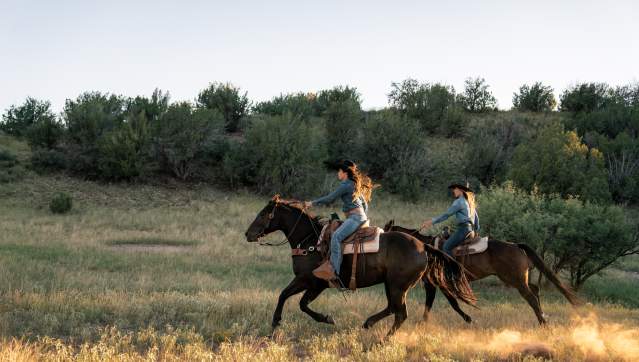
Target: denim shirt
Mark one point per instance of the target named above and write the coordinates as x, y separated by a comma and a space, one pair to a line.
461, 210
344, 191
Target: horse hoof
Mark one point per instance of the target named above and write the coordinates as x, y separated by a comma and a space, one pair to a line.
329, 320
468, 320
366, 325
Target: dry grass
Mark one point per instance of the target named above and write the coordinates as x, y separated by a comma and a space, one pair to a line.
68, 292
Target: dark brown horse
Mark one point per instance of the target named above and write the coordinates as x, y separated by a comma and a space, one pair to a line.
510, 262
401, 262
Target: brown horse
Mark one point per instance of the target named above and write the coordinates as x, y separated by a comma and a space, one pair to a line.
510, 262
401, 262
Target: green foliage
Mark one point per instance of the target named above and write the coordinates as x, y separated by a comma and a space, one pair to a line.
392, 149
433, 104
123, 151
45, 160
535, 98
556, 161
584, 97
61, 203
581, 238
182, 137
10, 168
301, 105
476, 97
18, 119
46, 132
153, 108
280, 154
228, 101
336, 95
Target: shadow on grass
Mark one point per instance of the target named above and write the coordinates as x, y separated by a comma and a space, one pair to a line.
150, 242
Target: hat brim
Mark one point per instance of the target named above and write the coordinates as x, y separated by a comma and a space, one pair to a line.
461, 187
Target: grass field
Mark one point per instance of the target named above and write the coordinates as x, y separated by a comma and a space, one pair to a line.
140, 272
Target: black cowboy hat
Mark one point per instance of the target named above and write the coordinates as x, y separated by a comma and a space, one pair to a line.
464, 186
339, 165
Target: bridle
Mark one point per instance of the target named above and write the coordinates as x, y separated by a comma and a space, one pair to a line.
271, 216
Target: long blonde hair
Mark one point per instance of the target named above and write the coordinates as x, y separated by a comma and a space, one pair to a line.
364, 186
472, 204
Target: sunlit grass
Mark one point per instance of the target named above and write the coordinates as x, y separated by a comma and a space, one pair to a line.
76, 287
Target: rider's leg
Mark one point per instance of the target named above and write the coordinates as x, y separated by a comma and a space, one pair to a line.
457, 238
348, 227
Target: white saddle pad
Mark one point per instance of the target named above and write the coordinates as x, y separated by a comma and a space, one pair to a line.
367, 247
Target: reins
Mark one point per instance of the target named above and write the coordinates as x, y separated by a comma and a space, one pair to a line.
271, 215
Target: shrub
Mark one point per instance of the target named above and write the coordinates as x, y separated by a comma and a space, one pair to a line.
343, 121
558, 162
476, 97
391, 148
18, 119
337, 95
123, 151
45, 133
227, 100
433, 104
10, 168
280, 154
301, 105
61, 203
578, 237
183, 136
584, 97
535, 98
48, 160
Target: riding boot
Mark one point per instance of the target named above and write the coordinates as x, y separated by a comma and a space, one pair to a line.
325, 271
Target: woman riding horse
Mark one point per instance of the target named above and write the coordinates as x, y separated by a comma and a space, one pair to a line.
355, 191
465, 210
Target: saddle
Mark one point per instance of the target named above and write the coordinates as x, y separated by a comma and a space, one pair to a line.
364, 240
473, 244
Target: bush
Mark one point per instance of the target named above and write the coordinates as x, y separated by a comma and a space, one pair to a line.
300, 105
535, 98
578, 237
45, 133
47, 160
433, 104
476, 97
227, 100
392, 149
585, 97
61, 203
18, 119
123, 151
342, 121
558, 162
182, 138
280, 154
10, 168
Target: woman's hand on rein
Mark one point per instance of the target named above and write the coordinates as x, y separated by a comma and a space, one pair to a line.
427, 224
308, 204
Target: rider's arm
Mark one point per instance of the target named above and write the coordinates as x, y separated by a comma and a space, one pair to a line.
450, 212
330, 198
476, 222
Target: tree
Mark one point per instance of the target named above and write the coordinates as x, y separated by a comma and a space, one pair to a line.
558, 162
340, 94
301, 105
180, 138
18, 119
535, 98
476, 97
434, 105
585, 97
228, 101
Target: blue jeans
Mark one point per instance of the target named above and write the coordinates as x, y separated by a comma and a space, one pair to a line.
349, 226
458, 236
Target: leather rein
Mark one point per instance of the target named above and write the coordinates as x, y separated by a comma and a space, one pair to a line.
299, 251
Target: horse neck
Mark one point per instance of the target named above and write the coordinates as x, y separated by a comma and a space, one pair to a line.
300, 228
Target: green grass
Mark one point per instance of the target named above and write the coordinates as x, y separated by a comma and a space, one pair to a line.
138, 267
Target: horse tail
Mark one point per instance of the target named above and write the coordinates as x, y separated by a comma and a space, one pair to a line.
539, 263
449, 275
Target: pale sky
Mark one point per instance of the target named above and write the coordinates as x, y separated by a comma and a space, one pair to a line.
55, 50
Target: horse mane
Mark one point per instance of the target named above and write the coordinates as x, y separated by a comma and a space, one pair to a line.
297, 205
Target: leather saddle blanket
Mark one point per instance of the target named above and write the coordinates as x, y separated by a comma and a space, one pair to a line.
366, 238
474, 244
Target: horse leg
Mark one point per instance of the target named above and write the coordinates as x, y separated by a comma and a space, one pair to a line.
431, 291
535, 289
398, 307
453, 303
533, 301
294, 287
379, 315
307, 298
